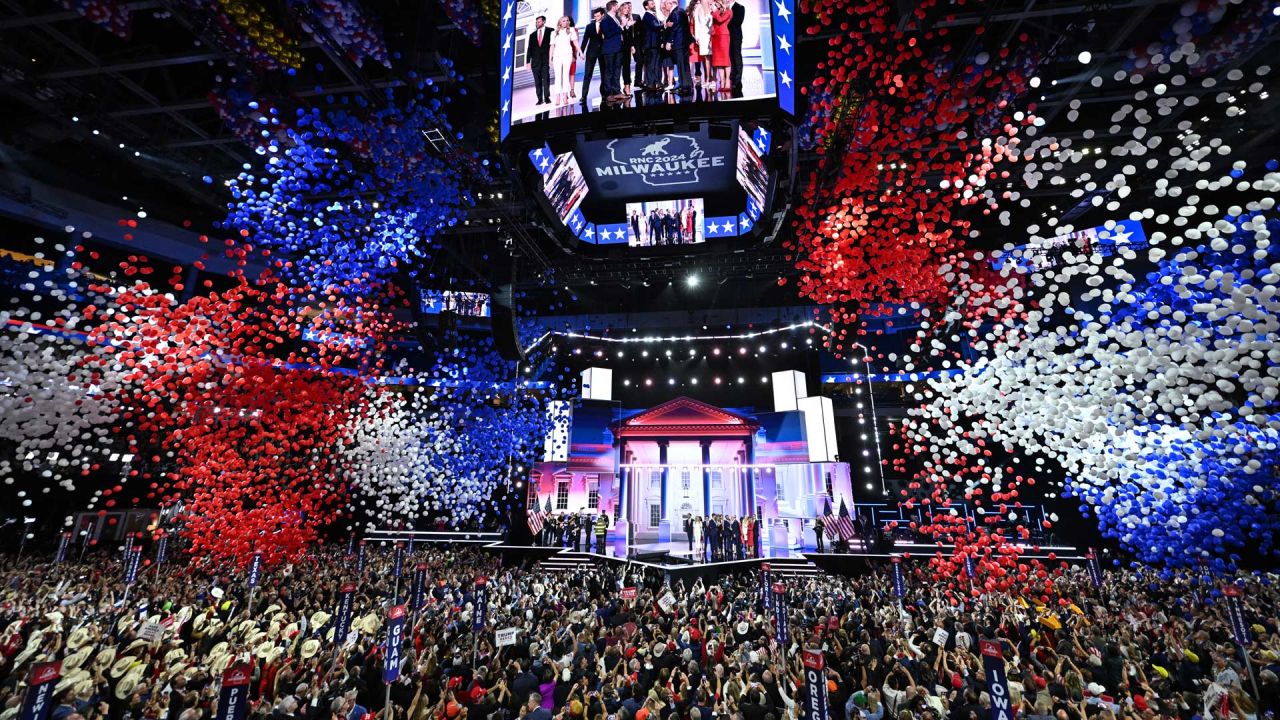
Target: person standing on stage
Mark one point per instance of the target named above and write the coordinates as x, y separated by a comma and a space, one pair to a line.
697, 537
735, 537
721, 15
647, 51
635, 228
688, 531
537, 57
602, 529
818, 528
713, 538
699, 12
564, 50
592, 50
678, 44
726, 537
611, 49
735, 46
630, 29
746, 536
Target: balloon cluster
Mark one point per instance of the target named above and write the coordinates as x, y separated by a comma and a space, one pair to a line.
443, 448
350, 192
463, 13
247, 31
110, 15
900, 119
345, 23
1154, 393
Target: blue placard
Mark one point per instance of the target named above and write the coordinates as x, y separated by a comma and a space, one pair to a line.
39, 700
233, 700
63, 542
899, 582
482, 603
346, 595
780, 618
997, 681
395, 644
131, 562
255, 569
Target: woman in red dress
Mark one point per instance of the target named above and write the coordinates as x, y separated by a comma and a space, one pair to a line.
720, 17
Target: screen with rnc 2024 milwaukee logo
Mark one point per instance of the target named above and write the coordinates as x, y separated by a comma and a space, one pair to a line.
653, 166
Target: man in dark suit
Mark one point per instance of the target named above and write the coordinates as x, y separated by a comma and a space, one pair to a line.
712, 532
735, 46
592, 48
735, 538
678, 24
611, 51
647, 52
537, 57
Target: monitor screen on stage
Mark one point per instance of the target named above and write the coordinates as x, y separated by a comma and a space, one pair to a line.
665, 222
555, 61
750, 171
475, 304
564, 184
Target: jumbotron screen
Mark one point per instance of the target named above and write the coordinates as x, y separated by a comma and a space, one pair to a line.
577, 62
670, 189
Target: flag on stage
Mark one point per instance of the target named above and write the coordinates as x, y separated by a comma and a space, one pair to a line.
829, 521
844, 523
536, 518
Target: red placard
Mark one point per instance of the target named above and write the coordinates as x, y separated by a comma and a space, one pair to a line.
628, 593
813, 659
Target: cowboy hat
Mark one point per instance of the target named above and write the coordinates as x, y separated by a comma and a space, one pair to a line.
75, 677
272, 609
78, 637
218, 649
309, 648
105, 657
174, 655
369, 624
219, 664
254, 636
122, 665
319, 618
274, 655
135, 645
263, 649
126, 686
77, 658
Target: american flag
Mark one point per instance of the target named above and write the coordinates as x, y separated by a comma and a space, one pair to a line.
536, 516
828, 521
844, 524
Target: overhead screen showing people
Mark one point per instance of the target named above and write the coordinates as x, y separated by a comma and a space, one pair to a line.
573, 56
668, 222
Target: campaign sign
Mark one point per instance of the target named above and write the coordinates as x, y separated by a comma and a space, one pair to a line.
360, 558
780, 613
346, 594
815, 681
351, 544
667, 602
131, 562
62, 547
162, 549
1236, 614
418, 594
44, 678
968, 567
233, 701
255, 570
899, 582
764, 585
997, 681
506, 636
395, 643
1095, 568
482, 603
628, 593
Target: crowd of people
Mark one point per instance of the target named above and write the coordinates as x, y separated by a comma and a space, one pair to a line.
572, 648
723, 537
653, 46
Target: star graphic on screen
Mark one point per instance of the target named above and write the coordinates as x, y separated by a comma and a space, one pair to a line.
783, 45
1121, 235
506, 42
507, 15
783, 12
544, 165
539, 152
786, 79
506, 107
506, 75
712, 228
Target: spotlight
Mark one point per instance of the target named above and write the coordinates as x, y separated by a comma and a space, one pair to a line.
742, 351
668, 353
693, 381
644, 353
626, 383
671, 381
1035, 82
648, 381
692, 281
619, 353
871, 486
764, 379
717, 381
764, 349
715, 351
741, 380
1084, 57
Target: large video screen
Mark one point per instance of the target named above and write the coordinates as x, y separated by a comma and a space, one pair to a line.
475, 304
750, 171
665, 222
562, 181
551, 66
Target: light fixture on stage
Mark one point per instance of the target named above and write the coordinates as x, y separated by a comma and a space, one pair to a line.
692, 281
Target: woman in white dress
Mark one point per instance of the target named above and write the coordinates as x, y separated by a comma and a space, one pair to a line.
700, 18
564, 50
699, 548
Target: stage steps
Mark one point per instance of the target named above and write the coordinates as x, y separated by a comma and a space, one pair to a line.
566, 561
793, 568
